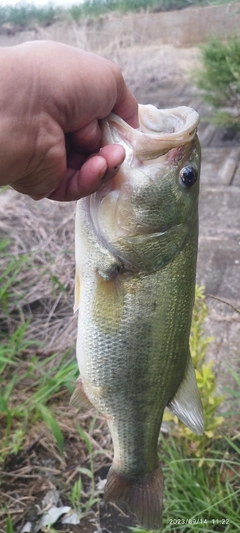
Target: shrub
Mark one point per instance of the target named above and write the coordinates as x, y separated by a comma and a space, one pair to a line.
219, 78
24, 14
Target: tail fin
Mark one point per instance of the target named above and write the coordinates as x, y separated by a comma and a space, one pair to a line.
144, 496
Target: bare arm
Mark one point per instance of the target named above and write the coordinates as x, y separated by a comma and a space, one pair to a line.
51, 98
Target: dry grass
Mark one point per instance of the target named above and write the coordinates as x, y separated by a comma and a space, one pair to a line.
39, 469
151, 67
43, 233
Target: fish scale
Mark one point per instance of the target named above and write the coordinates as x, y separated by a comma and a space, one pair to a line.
135, 277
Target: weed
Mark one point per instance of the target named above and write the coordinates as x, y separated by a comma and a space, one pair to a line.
9, 283
99, 7
75, 494
77, 499
199, 499
9, 525
89, 445
52, 425
38, 384
23, 14
219, 78
236, 392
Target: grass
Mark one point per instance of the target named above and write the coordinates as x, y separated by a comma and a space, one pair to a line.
26, 372
196, 498
35, 381
25, 14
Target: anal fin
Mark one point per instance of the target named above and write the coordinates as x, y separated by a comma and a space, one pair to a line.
186, 403
79, 397
144, 497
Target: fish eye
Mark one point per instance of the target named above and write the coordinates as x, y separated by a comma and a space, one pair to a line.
188, 175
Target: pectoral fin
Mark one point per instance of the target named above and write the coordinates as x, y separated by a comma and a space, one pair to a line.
108, 303
186, 403
79, 397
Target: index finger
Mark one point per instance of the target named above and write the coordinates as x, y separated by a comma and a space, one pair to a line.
126, 106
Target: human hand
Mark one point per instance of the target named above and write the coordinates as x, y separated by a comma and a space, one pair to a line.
51, 99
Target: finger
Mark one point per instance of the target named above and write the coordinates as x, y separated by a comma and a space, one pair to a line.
75, 160
88, 138
114, 155
82, 182
86, 180
126, 106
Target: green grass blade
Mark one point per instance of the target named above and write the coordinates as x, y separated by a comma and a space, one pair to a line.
52, 424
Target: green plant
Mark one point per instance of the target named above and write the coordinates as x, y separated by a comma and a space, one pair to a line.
100, 7
76, 12
38, 382
196, 444
76, 493
77, 499
219, 78
234, 392
196, 499
9, 277
25, 13
29, 381
232, 396
75, 496
9, 525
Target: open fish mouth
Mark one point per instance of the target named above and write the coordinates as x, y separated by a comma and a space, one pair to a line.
159, 130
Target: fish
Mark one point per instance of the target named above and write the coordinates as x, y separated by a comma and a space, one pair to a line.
136, 245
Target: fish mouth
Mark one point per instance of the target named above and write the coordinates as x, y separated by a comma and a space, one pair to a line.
160, 130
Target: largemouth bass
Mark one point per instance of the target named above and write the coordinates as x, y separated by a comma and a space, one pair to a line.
136, 251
